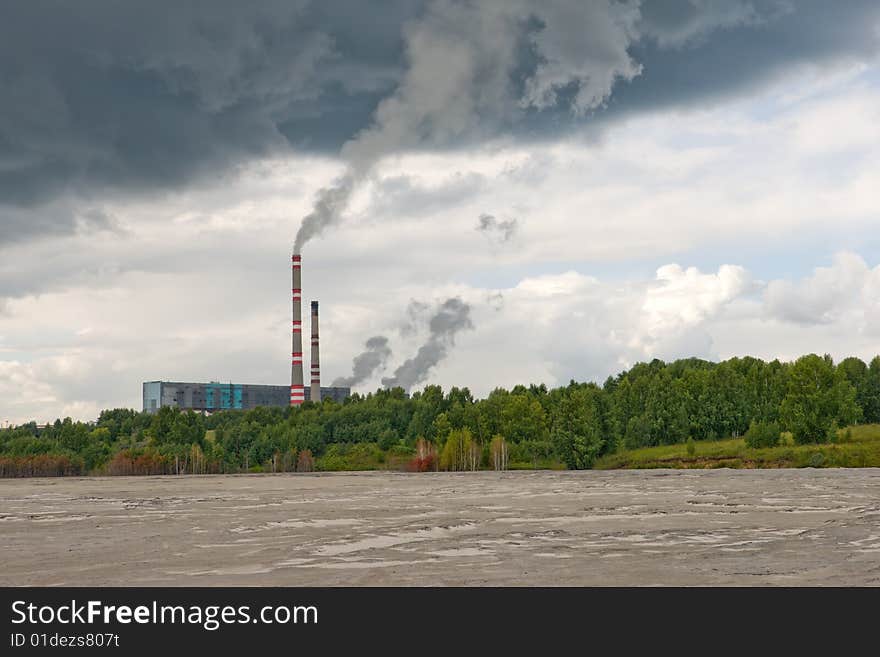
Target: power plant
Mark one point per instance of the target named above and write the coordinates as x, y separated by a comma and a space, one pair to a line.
297, 388
215, 396
316, 364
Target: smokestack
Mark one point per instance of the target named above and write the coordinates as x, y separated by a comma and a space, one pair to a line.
297, 389
315, 393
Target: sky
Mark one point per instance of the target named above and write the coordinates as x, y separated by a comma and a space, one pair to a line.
486, 194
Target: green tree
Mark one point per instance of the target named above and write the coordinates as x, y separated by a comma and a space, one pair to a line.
871, 403
763, 434
73, 435
186, 429
460, 452
489, 414
578, 428
310, 438
440, 428
499, 453
523, 418
818, 398
857, 373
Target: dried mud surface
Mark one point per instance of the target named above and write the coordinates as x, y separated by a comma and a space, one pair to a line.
659, 527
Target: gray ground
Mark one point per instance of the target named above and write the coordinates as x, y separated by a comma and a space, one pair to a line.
767, 527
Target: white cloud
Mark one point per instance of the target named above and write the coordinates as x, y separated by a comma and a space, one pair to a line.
847, 291
683, 298
838, 125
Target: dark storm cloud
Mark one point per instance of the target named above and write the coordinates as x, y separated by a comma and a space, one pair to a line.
782, 38
104, 98
682, 22
101, 97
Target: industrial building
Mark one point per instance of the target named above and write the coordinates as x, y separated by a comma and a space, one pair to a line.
214, 396
210, 397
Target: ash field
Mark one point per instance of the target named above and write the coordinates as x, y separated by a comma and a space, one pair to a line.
658, 527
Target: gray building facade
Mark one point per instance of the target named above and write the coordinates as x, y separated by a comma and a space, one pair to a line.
214, 396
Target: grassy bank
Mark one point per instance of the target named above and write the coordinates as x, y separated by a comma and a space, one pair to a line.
855, 447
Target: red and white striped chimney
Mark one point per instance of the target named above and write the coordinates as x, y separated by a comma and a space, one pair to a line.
297, 388
315, 391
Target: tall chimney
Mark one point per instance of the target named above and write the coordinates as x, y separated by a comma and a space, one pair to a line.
315, 392
297, 389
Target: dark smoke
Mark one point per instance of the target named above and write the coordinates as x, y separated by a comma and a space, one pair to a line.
452, 316
373, 359
328, 209
495, 229
415, 312
495, 300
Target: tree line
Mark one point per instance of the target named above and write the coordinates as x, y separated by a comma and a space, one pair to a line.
652, 403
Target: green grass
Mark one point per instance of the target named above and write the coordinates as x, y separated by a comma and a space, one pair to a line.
855, 447
540, 464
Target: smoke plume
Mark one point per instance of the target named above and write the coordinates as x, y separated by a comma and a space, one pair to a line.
452, 316
415, 313
327, 210
374, 358
461, 62
498, 230
495, 300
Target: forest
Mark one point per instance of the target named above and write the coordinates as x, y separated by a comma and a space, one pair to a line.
690, 401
